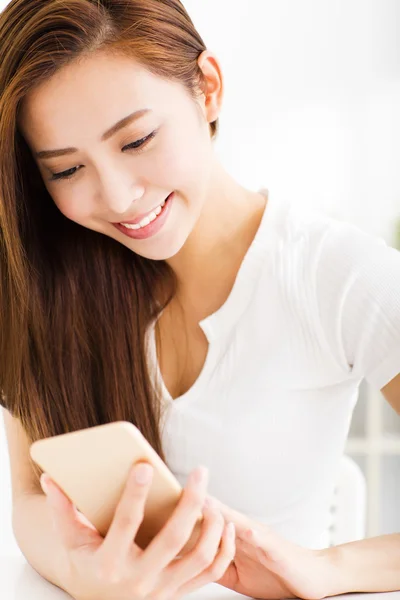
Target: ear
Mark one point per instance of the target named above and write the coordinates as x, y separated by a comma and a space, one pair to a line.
212, 95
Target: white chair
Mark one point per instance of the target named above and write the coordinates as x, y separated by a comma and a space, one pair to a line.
349, 504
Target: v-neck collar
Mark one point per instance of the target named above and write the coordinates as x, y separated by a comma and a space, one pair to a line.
224, 319
247, 276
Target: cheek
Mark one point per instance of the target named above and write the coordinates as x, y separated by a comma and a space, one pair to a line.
183, 160
72, 207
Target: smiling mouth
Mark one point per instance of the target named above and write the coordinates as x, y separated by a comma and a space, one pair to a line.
147, 219
152, 216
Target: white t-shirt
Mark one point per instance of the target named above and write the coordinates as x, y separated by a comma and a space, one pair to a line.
315, 309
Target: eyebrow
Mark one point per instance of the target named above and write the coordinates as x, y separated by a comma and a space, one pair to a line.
45, 154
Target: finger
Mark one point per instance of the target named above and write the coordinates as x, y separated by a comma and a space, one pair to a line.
221, 566
266, 551
63, 514
177, 531
84, 520
261, 533
128, 515
204, 553
242, 522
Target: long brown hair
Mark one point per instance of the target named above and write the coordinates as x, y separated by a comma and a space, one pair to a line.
75, 305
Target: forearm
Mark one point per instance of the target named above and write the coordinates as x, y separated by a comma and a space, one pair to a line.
370, 565
35, 537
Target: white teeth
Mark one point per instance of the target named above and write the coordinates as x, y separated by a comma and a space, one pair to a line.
153, 215
146, 221
130, 226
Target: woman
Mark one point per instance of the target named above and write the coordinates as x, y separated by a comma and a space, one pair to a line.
141, 282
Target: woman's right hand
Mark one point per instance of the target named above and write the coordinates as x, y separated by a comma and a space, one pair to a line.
114, 567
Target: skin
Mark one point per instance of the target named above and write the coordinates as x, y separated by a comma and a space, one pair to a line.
213, 218
93, 567
211, 224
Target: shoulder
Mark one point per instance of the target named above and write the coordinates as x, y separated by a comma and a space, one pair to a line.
321, 239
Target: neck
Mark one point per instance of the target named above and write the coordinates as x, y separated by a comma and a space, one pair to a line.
211, 256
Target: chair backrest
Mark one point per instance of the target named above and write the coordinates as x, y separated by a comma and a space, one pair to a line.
349, 504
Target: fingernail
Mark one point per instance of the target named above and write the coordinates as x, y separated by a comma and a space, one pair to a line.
210, 503
51, 497
43, 483
143, 473
231, 530
251, 536
199, 475
247, 533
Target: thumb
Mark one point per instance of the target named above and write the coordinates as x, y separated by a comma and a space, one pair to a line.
73, 528
267, 547
241, 521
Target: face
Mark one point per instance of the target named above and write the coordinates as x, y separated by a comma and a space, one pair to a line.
156, 169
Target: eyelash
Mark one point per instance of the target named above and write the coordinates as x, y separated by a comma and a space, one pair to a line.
138, 146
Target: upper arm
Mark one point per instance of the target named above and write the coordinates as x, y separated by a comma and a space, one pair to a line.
358, 294
23, 477
391, 392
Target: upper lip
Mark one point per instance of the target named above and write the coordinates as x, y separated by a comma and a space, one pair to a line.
139, 218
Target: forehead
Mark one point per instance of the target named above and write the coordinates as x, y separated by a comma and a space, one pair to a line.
93, 93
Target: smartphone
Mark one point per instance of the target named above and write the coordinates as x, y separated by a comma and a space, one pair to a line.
92, 465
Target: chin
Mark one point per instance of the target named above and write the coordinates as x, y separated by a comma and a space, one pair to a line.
161, 250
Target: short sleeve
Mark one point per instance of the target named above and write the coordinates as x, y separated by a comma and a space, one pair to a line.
357, 280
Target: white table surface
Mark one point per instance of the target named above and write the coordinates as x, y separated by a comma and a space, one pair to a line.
18, 581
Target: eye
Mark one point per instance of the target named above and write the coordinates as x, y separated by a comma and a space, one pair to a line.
138, 146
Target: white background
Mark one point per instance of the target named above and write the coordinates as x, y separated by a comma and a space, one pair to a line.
312, 112
312, 105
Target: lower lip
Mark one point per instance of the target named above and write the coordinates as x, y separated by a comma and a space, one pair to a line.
153, 227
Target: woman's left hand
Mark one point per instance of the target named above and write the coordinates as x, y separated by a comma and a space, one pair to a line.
268, 566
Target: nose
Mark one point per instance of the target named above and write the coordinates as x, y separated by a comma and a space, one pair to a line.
118, 194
